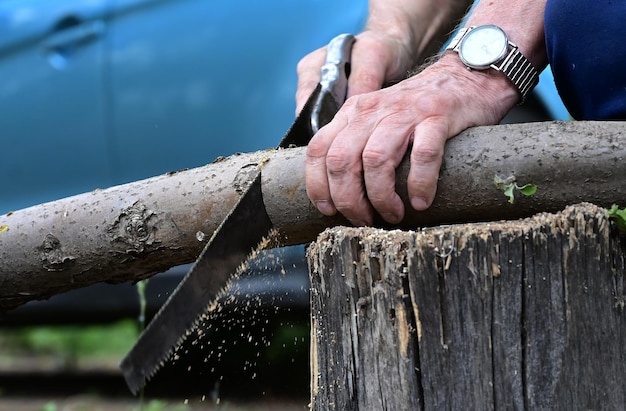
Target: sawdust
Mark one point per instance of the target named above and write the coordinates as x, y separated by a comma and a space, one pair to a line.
242, 325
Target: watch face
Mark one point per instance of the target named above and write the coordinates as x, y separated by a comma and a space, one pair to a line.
483, 46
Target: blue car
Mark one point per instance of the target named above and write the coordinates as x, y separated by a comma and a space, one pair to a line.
95, 93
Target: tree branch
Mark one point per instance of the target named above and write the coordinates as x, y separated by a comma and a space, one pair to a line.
133, 231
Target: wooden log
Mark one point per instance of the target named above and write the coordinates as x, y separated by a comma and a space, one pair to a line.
525, 314
135, 230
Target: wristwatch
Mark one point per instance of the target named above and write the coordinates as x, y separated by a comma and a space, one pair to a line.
484, 47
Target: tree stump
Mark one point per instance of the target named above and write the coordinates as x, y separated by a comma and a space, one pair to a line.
526, 314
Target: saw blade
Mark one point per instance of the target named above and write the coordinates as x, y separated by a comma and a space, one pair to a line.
223, 257
229, 248
233, 243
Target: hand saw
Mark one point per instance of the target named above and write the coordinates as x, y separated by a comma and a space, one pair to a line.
231, 246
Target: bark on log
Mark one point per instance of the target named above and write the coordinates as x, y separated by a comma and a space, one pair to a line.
138, 229
518, 315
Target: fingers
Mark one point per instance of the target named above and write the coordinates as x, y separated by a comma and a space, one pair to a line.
352, 162
382, 155
334, 178
368, 68
345, 178
308, 76
375, 59
316, 177
367, 72
426, 158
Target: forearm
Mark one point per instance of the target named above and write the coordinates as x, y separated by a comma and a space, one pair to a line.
423, 25
522, 20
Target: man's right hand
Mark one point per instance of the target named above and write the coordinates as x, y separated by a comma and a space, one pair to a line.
376, 60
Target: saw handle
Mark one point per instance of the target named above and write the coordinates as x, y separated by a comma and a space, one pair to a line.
334, 81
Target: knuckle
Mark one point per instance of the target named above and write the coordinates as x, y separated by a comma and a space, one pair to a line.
368, 79
338, 162
358, 106
343, 205
373, 159
426, 154
316, 148
311, 60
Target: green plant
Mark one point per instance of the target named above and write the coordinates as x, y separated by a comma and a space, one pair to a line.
141, 291
509, 187
50, 406
618, 215
71, 344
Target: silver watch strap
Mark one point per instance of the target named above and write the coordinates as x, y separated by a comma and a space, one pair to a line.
453, 44
514, 65
519, 70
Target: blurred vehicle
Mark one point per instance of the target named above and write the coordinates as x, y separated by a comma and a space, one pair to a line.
95, 93
101, 92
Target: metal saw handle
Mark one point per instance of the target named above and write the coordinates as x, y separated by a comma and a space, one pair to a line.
334, 81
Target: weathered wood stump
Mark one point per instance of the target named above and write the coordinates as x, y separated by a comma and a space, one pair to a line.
526, 314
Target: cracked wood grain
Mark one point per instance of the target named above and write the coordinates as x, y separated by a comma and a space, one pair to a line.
526, 314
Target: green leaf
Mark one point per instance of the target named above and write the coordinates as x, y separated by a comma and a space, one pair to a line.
528, 189
3, 228
618, 215
508, 191
508, 187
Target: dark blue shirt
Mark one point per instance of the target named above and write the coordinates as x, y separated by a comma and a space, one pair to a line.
586, 45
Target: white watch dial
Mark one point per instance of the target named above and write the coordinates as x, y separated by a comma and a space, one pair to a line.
483, 46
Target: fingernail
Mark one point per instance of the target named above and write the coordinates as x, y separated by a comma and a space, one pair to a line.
325, 207
419, 203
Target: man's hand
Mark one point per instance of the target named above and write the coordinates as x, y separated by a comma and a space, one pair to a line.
376, 60
351, 162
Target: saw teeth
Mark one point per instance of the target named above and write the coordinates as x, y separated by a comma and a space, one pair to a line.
202, 317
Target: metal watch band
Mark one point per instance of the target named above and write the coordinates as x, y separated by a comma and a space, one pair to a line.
457, 38
518, 69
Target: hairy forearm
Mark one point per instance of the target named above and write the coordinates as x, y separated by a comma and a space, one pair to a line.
423, 24
522, 20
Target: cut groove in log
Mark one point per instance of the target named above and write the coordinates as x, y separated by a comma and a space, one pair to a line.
525, 314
